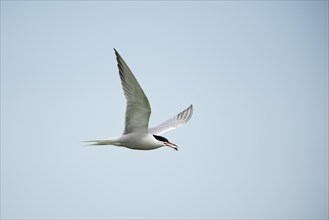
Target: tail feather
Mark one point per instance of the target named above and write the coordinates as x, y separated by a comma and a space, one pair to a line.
102, 142
96, 142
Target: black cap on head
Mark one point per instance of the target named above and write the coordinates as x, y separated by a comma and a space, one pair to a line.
160, 138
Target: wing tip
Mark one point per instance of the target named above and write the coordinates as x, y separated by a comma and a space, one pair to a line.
185, 115
116, 53
189, 116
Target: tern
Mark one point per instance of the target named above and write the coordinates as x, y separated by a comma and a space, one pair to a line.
137, 135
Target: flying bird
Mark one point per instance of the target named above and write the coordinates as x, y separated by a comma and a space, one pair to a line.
137, 134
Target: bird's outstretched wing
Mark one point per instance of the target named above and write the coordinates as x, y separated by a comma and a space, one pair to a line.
173, 122
138, 109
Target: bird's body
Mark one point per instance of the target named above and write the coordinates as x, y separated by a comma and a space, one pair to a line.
137, 135
135, 140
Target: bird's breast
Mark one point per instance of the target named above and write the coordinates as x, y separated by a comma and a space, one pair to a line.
139, 141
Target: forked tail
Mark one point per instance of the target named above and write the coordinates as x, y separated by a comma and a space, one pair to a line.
102, 142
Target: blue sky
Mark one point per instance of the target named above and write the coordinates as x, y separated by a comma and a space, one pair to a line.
255, 71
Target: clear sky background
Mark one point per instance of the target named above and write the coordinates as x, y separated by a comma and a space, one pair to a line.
255, 71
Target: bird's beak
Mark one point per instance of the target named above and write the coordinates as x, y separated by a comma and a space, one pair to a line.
172, 145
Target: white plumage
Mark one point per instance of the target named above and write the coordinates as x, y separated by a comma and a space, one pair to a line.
136, 133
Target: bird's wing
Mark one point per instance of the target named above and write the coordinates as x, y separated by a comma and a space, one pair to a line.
138, 107
173, 122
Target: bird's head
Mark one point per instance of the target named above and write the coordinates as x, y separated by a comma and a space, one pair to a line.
166, 142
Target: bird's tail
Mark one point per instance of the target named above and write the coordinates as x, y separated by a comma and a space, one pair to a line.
95, 142
113, 141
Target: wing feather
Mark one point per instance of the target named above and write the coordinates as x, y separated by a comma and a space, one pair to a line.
138, 109
173, 122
